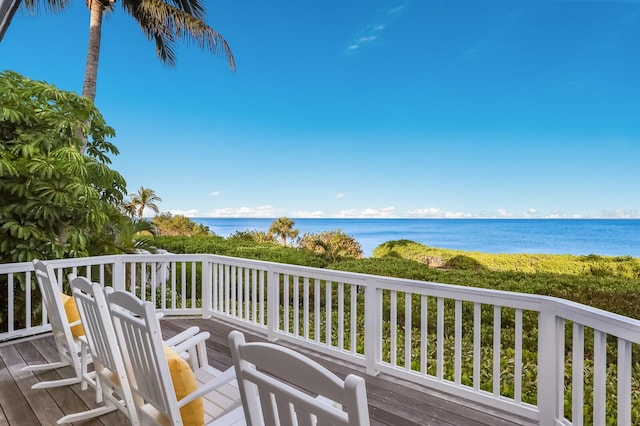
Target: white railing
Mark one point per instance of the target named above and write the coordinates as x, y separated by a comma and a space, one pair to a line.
538, 357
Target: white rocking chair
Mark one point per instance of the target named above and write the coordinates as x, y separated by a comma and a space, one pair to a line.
138, 332
266, 373
111, 381
68, 346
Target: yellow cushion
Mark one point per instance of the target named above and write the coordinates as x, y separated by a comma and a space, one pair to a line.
73, 315
184, 382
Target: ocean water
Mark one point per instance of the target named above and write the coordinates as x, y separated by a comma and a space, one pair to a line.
607, 237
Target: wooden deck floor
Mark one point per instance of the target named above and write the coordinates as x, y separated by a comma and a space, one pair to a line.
390, 402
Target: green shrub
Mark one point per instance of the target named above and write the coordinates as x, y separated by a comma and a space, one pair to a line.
239, 247
591, 265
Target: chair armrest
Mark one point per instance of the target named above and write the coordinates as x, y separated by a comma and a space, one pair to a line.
191, 342
222, 379
182, 336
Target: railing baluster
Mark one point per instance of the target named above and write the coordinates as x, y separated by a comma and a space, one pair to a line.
340, 316
393, 299
154, 282
477, 361
497, 331
305, 307
234, 294
424, 340
286, 303
174, 267
624, 382
440, 340
183, 285
247, 295
457, 362
27, 299
353, 327
328, 310
577, 375
517, 373
263, 300
11, 298
296, 305
316, 311
239, 292
194, 275
227, 290
407, 331
143, 281
599, 377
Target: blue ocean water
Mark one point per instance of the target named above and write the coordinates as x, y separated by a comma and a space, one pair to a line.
607, 237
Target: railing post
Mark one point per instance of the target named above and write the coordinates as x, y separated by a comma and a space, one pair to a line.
206, 289
549, 373
273, 305
372, 328
118, 281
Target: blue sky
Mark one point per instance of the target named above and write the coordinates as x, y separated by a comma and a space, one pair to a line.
399, 108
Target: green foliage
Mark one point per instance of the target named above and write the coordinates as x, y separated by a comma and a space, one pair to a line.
143, 199
619, 295
168, 225
332, 245
238, 247
592, 265
283, 227
54, 197
255, 236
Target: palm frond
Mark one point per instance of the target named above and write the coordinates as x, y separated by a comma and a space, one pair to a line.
166, 24
49, 6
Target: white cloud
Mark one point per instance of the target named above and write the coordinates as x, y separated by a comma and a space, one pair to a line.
531, 213
385, 212
620, 214
187, 213
368, 39
370, 33
305, 214
215, 193
503, 213
340, 195
435, 212
560, 215
261, 211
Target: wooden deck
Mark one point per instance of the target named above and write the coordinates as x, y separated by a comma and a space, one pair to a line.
391, 402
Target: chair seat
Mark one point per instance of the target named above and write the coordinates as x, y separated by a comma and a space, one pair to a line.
218, 401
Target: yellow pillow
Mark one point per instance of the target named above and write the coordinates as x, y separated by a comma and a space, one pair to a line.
184, 382
73, 315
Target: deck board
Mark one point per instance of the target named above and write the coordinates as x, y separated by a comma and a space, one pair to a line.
391, 402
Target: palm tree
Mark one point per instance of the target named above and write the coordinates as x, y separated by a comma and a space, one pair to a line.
283, 227
145, 198
164, 21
